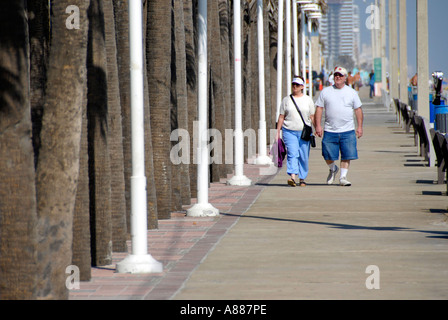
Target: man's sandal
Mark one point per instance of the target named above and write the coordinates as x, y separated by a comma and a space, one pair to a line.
291, 182
302, 183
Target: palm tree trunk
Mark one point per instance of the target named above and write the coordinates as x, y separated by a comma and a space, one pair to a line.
176, 197
181, 90
39, 29
217, 101
224, 23
123, 62
98, 137
81, 219
152, 215
158, 55
191, 67
247, 97
18, 237
58, 163
254, 76
118, 200
267, 68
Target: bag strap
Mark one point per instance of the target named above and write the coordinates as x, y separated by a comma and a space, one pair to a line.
300, 113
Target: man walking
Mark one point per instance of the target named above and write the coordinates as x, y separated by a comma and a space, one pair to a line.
339, 133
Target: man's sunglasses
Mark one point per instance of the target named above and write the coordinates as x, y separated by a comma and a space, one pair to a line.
339, 75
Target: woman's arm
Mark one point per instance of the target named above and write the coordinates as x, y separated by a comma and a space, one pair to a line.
281, 119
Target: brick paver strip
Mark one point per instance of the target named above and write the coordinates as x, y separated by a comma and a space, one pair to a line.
180, 243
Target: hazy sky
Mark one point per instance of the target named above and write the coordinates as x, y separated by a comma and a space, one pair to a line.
438, 37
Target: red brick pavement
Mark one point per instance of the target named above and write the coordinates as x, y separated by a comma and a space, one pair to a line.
180, 243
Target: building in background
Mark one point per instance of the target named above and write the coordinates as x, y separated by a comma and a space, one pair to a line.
340, 33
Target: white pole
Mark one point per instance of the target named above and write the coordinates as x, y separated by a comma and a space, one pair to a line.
279, 57
262, 141
288, 47
303, 49
422, 60
202, 207
310, 65
238, 179
139, 261
295, 21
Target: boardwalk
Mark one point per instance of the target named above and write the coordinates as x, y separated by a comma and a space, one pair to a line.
277, 242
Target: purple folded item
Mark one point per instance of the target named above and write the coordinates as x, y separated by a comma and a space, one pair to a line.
279, 152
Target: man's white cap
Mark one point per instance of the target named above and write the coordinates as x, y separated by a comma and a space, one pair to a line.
340, 70
298, 80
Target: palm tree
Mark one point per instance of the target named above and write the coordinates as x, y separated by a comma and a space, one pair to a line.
158, 55
39, 34
118, 200
98, 137
226, 48
176, 197
216, 100
58, 162
18, 215
191, 68
180, 83
123, 61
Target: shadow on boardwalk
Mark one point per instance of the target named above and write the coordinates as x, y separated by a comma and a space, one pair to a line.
272, 241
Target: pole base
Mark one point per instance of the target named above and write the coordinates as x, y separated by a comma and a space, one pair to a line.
263, 160
139, 264
202, 210
239, 181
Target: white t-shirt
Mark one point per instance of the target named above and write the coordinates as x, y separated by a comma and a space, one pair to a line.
293, 121
339, 105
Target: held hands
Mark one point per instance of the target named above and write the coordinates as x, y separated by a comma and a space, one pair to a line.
319, 132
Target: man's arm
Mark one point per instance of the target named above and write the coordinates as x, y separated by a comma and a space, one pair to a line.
318, 120
360, 119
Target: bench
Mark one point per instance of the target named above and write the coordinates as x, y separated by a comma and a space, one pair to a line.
406, 115
441, 150
397, 109
422, 129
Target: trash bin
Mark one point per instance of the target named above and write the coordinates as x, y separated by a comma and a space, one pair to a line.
432, 114
414, 98
441, 118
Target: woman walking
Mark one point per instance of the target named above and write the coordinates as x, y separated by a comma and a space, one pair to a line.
291, 124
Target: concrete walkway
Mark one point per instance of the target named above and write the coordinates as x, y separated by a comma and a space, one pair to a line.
316, 242
273, 241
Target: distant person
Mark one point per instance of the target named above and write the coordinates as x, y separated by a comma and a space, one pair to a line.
331, 79
372, 84
414, 80
350, 80
357, 79
339, 134
291, 124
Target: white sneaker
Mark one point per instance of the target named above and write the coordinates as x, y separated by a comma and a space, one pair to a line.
332, 175
344, 182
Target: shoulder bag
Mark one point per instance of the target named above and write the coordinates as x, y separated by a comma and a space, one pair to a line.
307, 132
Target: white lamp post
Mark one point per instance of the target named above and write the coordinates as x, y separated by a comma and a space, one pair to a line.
306, 6
202, 207
296, 36
279, 57
288, 47
239, 179
139, 261
262, 142
311, 15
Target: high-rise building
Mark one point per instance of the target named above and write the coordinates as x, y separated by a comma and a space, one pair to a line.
339, 29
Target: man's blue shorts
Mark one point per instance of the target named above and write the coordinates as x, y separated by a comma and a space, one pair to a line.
344, 142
